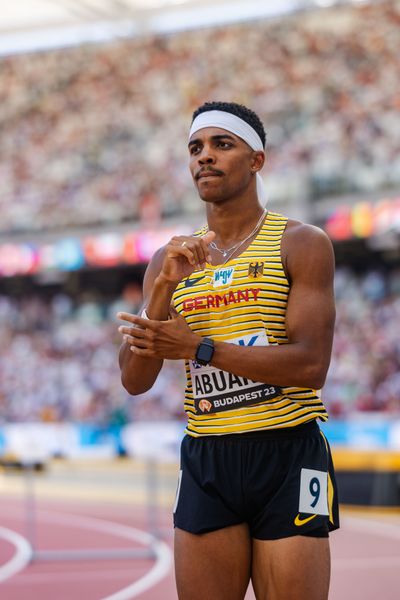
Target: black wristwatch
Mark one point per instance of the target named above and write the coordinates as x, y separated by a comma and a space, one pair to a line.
205, 351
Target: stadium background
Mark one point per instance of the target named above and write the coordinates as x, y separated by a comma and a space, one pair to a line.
95, 102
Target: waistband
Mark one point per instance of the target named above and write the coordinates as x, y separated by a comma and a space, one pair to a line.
298, 431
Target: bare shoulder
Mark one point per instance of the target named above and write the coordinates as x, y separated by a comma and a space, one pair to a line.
300, 233
306, 246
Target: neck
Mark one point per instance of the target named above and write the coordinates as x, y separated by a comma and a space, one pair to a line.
231, 222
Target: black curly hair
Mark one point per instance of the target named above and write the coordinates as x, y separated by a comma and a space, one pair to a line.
239, 110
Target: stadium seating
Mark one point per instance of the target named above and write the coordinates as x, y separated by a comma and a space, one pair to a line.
96, 134
73, 344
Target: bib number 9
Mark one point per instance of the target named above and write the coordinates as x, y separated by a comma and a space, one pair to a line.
313, 492
315, 489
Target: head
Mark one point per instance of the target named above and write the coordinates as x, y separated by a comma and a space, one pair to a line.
226, 149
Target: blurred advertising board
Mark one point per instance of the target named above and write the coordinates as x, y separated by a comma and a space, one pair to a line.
364, 220
160, 440
73, 253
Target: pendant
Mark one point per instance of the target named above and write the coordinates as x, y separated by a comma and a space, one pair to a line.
224, 254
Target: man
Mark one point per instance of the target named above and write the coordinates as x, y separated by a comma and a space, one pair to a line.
248, 303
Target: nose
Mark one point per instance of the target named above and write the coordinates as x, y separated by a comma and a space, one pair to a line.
206, 156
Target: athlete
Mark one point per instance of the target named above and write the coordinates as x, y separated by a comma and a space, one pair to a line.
247, 302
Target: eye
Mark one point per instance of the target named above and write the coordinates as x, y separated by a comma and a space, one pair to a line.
224, 145
194, 149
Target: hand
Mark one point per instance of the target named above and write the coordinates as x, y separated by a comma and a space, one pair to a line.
171, 339
185, 254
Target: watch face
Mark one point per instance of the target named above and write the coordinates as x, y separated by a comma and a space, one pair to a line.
204, 353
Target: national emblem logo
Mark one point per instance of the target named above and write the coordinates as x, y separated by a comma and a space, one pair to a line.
256, 269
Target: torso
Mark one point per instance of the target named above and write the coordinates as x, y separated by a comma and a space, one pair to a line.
242, 302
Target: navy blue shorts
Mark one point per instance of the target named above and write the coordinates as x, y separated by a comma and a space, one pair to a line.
280, 482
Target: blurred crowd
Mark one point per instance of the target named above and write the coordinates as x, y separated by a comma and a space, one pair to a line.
365, 367
97, 134
59, 362
58, 357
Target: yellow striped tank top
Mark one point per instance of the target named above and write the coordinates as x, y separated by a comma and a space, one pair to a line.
242, 302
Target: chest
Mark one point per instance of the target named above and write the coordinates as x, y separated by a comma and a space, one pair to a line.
230, 292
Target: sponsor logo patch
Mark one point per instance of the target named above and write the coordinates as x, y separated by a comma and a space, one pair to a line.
223, 276
251, 394
205, 405
256, 269
299, 521
224, 298
191, 282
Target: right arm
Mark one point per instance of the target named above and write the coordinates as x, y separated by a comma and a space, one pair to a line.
168, 266
138, 374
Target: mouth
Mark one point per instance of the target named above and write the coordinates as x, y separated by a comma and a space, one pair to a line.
207, 174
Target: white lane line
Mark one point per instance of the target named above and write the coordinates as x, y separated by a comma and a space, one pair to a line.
21, 557
163, 554
156, 573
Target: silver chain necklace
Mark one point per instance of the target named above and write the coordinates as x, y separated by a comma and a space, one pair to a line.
227, 252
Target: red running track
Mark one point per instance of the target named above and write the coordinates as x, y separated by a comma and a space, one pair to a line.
365, 554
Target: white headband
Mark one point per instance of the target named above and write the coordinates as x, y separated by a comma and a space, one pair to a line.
236, 125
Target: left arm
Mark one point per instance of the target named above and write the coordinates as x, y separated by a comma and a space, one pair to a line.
310, 317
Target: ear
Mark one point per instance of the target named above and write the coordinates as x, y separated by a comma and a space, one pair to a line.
257, 161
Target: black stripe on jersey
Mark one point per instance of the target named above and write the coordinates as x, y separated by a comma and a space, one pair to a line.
236, 312
241, 279
267, 271
286, 417
279, 406
252, 311
241, 320
300, 392
246, 330
226, 330
293, 416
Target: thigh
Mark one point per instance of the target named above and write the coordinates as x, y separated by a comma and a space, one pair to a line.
293, 568
213, 565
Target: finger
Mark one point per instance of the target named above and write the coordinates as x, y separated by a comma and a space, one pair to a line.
206, 241
141, 351
134, 332
193, 244
200, 251
137, 343
204, 253
128, 339
209, 237
145, 323
174, 251
124, 316
199, 258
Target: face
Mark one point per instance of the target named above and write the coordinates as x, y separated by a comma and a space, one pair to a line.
222, 164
